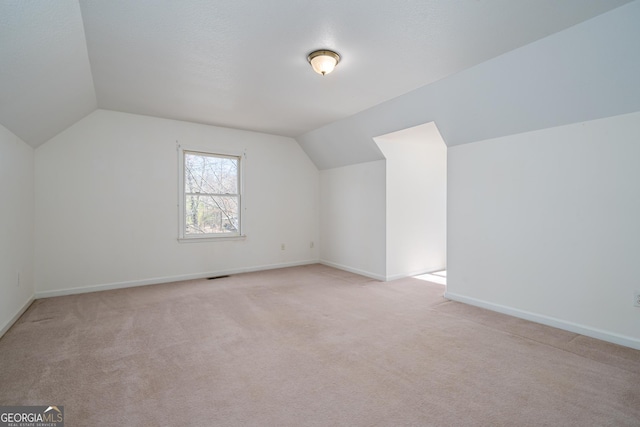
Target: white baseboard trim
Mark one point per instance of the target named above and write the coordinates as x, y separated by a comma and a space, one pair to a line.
166, 279
549, 321
16, 316
378, 276
353, 270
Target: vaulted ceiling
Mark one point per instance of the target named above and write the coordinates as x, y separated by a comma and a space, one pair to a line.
242, 63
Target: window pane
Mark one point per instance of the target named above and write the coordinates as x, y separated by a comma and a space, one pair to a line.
211, 214
209, 174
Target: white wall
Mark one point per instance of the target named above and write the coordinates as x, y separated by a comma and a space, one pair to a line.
352, 218
106, 204
416, 199
16, 227
546, 225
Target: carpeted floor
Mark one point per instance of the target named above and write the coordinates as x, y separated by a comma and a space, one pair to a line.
308, 346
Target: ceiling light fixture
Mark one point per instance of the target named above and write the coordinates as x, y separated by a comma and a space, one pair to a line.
323, 61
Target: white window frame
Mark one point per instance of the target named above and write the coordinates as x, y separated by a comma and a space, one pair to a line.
182, 213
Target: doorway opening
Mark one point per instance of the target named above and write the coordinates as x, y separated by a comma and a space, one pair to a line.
416, 201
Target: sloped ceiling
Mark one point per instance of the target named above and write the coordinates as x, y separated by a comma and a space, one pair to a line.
45, 76
586, 72
242, 63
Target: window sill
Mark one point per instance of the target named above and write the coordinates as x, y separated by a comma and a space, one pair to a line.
210, 239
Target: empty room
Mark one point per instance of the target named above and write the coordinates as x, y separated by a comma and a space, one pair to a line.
354, 213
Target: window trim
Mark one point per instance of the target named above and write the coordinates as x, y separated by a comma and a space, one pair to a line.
183, 237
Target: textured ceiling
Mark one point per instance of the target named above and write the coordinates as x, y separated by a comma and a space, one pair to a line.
242, 63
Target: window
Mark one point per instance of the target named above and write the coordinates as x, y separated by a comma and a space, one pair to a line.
210, 195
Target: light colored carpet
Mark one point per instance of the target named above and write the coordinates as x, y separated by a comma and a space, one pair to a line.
308, 346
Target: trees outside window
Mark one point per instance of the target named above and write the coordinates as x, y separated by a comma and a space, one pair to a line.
210, 195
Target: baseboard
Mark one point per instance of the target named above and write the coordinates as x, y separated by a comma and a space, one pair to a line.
549, 321
354, 270
16, 316
413, 273
377, 276
167, 279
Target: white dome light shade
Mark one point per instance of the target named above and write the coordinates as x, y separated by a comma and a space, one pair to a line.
323, 61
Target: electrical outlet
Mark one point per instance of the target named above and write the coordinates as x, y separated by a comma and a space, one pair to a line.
636, 299
311, 245
282, 247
